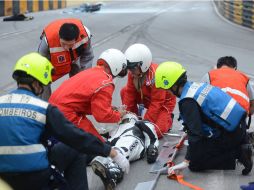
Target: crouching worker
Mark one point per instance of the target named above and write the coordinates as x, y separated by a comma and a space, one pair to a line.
24, 119
134, 139
140, 93
90, 92
214, 122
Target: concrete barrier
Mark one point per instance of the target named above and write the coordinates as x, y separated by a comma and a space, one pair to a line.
240, 12
70, 3
12, 7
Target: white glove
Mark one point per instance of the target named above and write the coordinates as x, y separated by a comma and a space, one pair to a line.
122, 107
122, 110
177, 168
122, 161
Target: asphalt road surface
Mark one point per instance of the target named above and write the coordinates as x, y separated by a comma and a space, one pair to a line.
189, 32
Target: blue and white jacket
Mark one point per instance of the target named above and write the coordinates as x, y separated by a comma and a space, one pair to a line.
22, 122
216, 105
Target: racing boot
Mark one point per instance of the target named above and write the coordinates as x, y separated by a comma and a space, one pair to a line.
152, 153
109, 172
245, 158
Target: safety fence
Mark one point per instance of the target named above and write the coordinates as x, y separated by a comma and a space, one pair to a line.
12, 7
238, 11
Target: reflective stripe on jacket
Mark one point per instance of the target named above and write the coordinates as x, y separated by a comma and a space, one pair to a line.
60, 58
22, 122
233, 82
215, 104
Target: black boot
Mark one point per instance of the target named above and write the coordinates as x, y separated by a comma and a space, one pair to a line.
152, 153
245, 158
109, 172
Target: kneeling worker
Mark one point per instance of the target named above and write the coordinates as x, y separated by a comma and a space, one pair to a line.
25, 119
214, 122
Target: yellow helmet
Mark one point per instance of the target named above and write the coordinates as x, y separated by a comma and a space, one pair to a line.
35, 65
167, 74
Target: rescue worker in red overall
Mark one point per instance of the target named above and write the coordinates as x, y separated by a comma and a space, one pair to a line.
67, 44
232, 81
140, 91
90, 92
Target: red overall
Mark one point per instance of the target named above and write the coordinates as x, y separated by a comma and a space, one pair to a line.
158, 102
87, 93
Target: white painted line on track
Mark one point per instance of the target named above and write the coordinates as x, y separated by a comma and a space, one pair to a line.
10, 34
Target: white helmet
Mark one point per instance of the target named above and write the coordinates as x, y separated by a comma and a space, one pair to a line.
139, 55
130, 117
116, 61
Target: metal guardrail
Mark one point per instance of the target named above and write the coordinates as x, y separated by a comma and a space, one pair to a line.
14, 7
240, 11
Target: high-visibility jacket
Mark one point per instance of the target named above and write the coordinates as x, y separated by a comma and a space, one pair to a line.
158, 102
234, 83
217, 105
22, 122
60, 58
87, 93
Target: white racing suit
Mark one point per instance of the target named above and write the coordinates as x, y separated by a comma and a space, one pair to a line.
133, 138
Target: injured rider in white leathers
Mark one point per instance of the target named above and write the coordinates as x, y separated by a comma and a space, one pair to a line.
134, 139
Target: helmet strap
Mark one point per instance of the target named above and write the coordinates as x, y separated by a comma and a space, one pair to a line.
34, 89
42, 89
178, 84
175, 91
123, 73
